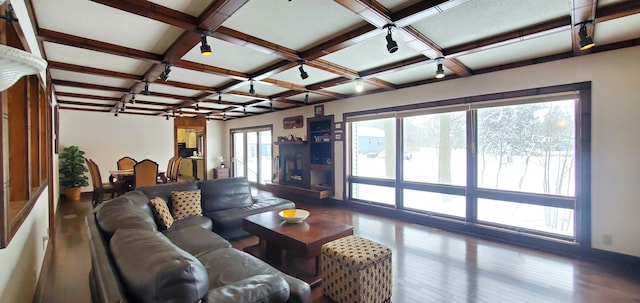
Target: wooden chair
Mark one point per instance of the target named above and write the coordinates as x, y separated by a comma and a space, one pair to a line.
145, 173
126, 163
175, 169
168, 173
99, 188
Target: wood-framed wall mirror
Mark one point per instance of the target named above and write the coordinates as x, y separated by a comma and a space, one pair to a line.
190, 143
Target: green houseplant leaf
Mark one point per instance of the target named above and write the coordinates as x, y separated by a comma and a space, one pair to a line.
72, 167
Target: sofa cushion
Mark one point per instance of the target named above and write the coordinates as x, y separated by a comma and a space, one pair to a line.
257, 289
186, 204
164, 190
139, 200
219, 194
199, 221
222, 269
122, 213
228, 222
196, 240
155, 270
162, 212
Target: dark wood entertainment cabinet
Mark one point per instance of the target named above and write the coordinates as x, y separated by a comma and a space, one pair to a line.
306, 168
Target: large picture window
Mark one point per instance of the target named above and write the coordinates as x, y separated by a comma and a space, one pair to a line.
500, 164
528, 148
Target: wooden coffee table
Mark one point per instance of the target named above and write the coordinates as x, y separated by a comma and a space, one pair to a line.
282, 243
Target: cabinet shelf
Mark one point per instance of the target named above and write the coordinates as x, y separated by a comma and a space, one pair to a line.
289, 142
321, 154
313, 166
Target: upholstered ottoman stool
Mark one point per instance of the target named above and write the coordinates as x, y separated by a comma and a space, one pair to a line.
355, 269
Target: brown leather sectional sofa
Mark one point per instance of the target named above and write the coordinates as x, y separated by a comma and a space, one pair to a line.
134, 260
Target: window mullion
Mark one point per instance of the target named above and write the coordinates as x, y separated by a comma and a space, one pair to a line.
472, 160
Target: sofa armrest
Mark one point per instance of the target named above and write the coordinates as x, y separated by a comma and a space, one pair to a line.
104, 281
259, 288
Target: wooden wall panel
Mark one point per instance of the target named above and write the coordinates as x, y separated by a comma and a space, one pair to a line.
34, 127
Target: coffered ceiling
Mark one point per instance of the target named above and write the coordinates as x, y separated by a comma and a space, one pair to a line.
102, 52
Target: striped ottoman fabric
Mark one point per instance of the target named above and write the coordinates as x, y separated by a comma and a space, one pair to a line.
355, 269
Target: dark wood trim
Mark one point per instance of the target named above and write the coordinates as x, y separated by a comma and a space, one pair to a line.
472, 99
91, 70
94, 45
155, 12
89, 86
257, 128
583, 169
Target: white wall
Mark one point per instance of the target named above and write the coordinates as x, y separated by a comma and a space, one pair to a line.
615, 120
21, 261
106, 138
217, 145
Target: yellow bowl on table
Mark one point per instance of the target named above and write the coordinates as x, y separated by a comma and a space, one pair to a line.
293, 215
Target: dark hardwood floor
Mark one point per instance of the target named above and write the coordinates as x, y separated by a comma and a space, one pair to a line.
429, 265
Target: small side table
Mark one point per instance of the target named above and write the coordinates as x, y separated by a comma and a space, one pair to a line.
221, 173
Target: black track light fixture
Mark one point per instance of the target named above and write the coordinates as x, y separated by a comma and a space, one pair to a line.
303, 74
440, 69
146, 88
8, 15
586, 42
306, 98
252, 90
205, 49
270, 105
244, 109
224, 116
165, 74
219, 98
197, 107
166, 117
133, 98
392, 46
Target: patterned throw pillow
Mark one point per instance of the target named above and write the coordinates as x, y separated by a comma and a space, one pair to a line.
186, 203
162, 210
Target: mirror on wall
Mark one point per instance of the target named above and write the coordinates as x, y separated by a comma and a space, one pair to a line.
190, 143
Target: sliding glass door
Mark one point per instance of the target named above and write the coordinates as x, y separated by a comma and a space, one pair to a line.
252, 154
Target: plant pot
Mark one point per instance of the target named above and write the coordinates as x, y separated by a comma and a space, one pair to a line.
72, 193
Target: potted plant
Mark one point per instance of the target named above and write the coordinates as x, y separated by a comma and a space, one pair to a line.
72, 169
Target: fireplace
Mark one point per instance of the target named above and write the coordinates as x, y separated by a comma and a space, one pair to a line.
294, 169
